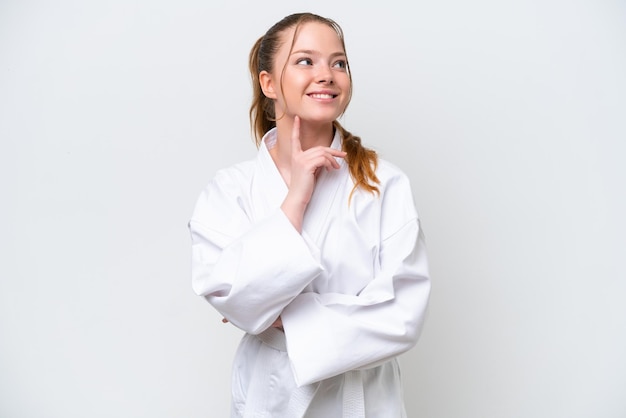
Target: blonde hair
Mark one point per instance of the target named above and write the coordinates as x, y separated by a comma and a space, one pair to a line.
362, 162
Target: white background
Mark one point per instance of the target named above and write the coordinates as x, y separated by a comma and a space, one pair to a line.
509, 117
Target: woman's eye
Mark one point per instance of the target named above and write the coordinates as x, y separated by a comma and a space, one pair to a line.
340, 64
304, 61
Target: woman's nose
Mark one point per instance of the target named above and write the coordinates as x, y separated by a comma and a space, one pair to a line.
325, 75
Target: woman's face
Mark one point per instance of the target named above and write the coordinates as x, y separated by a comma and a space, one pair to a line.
315, 85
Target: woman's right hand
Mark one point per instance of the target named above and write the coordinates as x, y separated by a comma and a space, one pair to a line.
305, 166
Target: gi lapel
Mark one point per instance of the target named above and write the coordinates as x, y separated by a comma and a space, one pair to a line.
324, 195
268, 188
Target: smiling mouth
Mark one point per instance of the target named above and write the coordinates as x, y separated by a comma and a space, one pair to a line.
322, 96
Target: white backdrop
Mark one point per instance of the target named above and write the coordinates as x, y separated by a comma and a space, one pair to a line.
509, 119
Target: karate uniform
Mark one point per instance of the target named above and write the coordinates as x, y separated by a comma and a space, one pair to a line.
351, 289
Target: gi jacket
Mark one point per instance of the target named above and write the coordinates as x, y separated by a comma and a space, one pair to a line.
351, 289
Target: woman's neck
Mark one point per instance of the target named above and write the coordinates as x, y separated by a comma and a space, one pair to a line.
311, 135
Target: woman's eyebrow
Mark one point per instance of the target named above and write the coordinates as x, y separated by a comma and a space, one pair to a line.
312, 52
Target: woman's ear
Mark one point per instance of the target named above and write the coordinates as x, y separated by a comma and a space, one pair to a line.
267, 84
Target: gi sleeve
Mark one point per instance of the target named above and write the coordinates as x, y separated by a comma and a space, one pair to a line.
329, 333
234, 264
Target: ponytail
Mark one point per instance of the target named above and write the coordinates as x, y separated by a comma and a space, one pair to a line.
362, 162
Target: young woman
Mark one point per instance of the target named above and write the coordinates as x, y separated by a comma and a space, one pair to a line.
314, 248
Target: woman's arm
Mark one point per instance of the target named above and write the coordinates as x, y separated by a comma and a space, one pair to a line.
235, 262
330, 333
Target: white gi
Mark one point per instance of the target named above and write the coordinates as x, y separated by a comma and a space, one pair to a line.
352, 289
